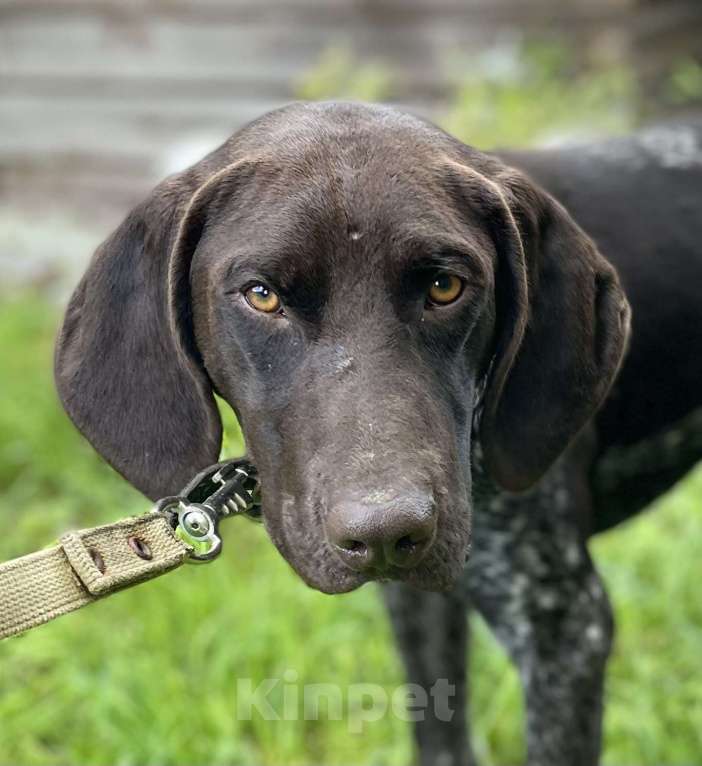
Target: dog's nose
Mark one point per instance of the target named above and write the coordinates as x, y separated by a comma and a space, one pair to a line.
375, 537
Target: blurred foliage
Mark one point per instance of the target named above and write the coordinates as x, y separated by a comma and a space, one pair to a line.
537, 94
149, 676
532, 92
339, 75
520, 95
685, 84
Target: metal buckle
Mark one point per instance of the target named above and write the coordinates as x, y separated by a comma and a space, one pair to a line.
197, 526
225, 489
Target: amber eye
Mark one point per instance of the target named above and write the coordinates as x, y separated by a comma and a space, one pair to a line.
262, 298
445, 288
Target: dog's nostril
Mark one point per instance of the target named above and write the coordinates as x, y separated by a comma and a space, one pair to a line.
405, 544
355, 546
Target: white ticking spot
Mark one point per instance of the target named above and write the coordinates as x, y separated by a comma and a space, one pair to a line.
521, 629
520, 584
444, 758
572, 555
547, 599
561, 498
596, 590
674, 147
594, 633
353, 234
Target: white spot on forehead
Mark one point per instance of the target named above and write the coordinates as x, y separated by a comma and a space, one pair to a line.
354, 234
379, 497
344, 364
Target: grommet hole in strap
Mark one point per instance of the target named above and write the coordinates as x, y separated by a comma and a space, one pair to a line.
98, 560
139, 547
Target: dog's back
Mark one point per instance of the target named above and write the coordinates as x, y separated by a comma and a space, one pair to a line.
640, 199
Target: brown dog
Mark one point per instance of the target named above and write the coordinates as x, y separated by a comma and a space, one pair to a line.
358, 286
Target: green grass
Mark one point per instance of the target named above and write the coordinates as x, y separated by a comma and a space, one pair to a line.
150, 676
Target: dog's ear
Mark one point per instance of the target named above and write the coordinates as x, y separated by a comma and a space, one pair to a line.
562, 328
127, 368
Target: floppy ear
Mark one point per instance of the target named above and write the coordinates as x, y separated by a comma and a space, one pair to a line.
561, 336
127, 368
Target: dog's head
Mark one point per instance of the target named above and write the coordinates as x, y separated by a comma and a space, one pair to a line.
349, 279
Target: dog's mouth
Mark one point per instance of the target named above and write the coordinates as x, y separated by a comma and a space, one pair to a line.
339, 578
298, 533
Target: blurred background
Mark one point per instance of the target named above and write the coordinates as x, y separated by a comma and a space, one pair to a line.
99, 99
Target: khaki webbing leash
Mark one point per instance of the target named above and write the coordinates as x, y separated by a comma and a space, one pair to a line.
94, 563
86, 566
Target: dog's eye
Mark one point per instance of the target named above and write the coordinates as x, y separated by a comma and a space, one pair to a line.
445, 288
262, 298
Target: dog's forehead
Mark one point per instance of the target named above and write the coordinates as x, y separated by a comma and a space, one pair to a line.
354, 194
339, 127
337, 216
345, 184
350, 147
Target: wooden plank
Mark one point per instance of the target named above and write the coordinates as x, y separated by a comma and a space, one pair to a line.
408, 10
104, 78
47, 87
170, 52
114, 128
147, 89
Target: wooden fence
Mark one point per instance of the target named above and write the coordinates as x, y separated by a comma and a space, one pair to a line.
98, 98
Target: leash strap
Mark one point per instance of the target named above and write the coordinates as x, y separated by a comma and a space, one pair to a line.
94, 563
86, 566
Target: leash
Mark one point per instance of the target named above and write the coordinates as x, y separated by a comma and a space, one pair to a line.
91, 564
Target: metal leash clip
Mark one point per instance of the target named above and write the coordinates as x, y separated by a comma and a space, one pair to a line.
225, 489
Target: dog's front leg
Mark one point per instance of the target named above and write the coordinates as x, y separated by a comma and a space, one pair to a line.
432, 634
532, 579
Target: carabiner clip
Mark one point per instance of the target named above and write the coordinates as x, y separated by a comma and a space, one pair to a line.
225, 489
198, 526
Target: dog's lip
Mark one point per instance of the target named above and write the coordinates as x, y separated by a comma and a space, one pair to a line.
340, 578
352, 580
343, 580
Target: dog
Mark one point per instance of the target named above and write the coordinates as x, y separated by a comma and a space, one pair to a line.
433, 369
